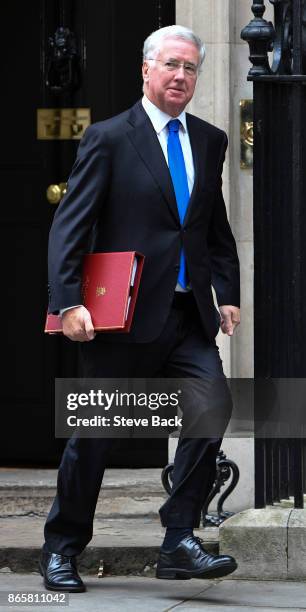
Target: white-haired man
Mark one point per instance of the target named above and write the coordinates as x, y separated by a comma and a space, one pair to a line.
148, 180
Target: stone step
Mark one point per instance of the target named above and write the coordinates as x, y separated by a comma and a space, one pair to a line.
124, 493
268, 543
126, 546
127, 530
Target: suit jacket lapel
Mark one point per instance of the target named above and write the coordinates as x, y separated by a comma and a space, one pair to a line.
199, 155
145, 141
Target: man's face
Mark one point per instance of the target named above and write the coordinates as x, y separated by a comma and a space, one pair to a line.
171, 90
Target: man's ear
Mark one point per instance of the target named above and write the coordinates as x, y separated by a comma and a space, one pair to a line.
145, 71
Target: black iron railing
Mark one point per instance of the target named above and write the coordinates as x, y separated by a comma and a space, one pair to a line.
280, 471
227, 474
279, 83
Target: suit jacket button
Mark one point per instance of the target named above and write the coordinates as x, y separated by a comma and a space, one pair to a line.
177, 267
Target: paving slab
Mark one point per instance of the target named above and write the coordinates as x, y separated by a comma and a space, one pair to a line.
236, 595
136, 594
28, 531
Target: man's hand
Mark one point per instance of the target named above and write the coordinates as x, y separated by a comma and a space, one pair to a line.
77, 324
230, 318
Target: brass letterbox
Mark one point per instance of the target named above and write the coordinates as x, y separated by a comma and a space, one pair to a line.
62, 123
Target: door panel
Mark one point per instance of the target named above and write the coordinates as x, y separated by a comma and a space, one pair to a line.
109, 37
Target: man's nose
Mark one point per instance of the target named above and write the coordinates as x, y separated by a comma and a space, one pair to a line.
180, 73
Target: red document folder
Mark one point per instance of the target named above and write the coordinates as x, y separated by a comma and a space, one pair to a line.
110, 287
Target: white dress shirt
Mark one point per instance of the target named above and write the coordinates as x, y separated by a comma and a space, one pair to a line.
159, 120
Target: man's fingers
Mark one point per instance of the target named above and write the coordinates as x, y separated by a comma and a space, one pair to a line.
226, 324
77, 324
89, 329
235, 322
230, 318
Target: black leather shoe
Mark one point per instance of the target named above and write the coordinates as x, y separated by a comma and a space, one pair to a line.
60, 573
190, 560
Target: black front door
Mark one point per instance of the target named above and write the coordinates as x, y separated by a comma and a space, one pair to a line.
93, 62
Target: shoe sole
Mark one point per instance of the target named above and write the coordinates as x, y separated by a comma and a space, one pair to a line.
181, 574
63, 589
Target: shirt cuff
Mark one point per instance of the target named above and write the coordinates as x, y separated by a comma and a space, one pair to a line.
62, 310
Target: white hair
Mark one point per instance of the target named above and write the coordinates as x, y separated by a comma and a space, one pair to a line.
153, 42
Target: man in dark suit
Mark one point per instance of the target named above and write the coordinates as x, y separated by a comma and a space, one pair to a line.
149, 180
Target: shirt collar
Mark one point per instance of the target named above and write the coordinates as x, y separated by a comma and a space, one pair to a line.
160, 119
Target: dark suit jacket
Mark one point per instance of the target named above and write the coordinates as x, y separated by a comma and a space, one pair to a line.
120, 198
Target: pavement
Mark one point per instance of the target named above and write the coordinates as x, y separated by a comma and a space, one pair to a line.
127, 536
140, 594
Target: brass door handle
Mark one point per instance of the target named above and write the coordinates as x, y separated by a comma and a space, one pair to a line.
56, 192
247, 133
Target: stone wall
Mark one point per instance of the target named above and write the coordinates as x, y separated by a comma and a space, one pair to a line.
220, 87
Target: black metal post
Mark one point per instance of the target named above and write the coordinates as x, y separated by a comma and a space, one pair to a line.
279, 222
284, 470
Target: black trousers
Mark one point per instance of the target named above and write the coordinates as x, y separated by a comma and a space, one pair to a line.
180, 351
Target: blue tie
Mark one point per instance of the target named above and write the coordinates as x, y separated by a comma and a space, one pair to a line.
179, 179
